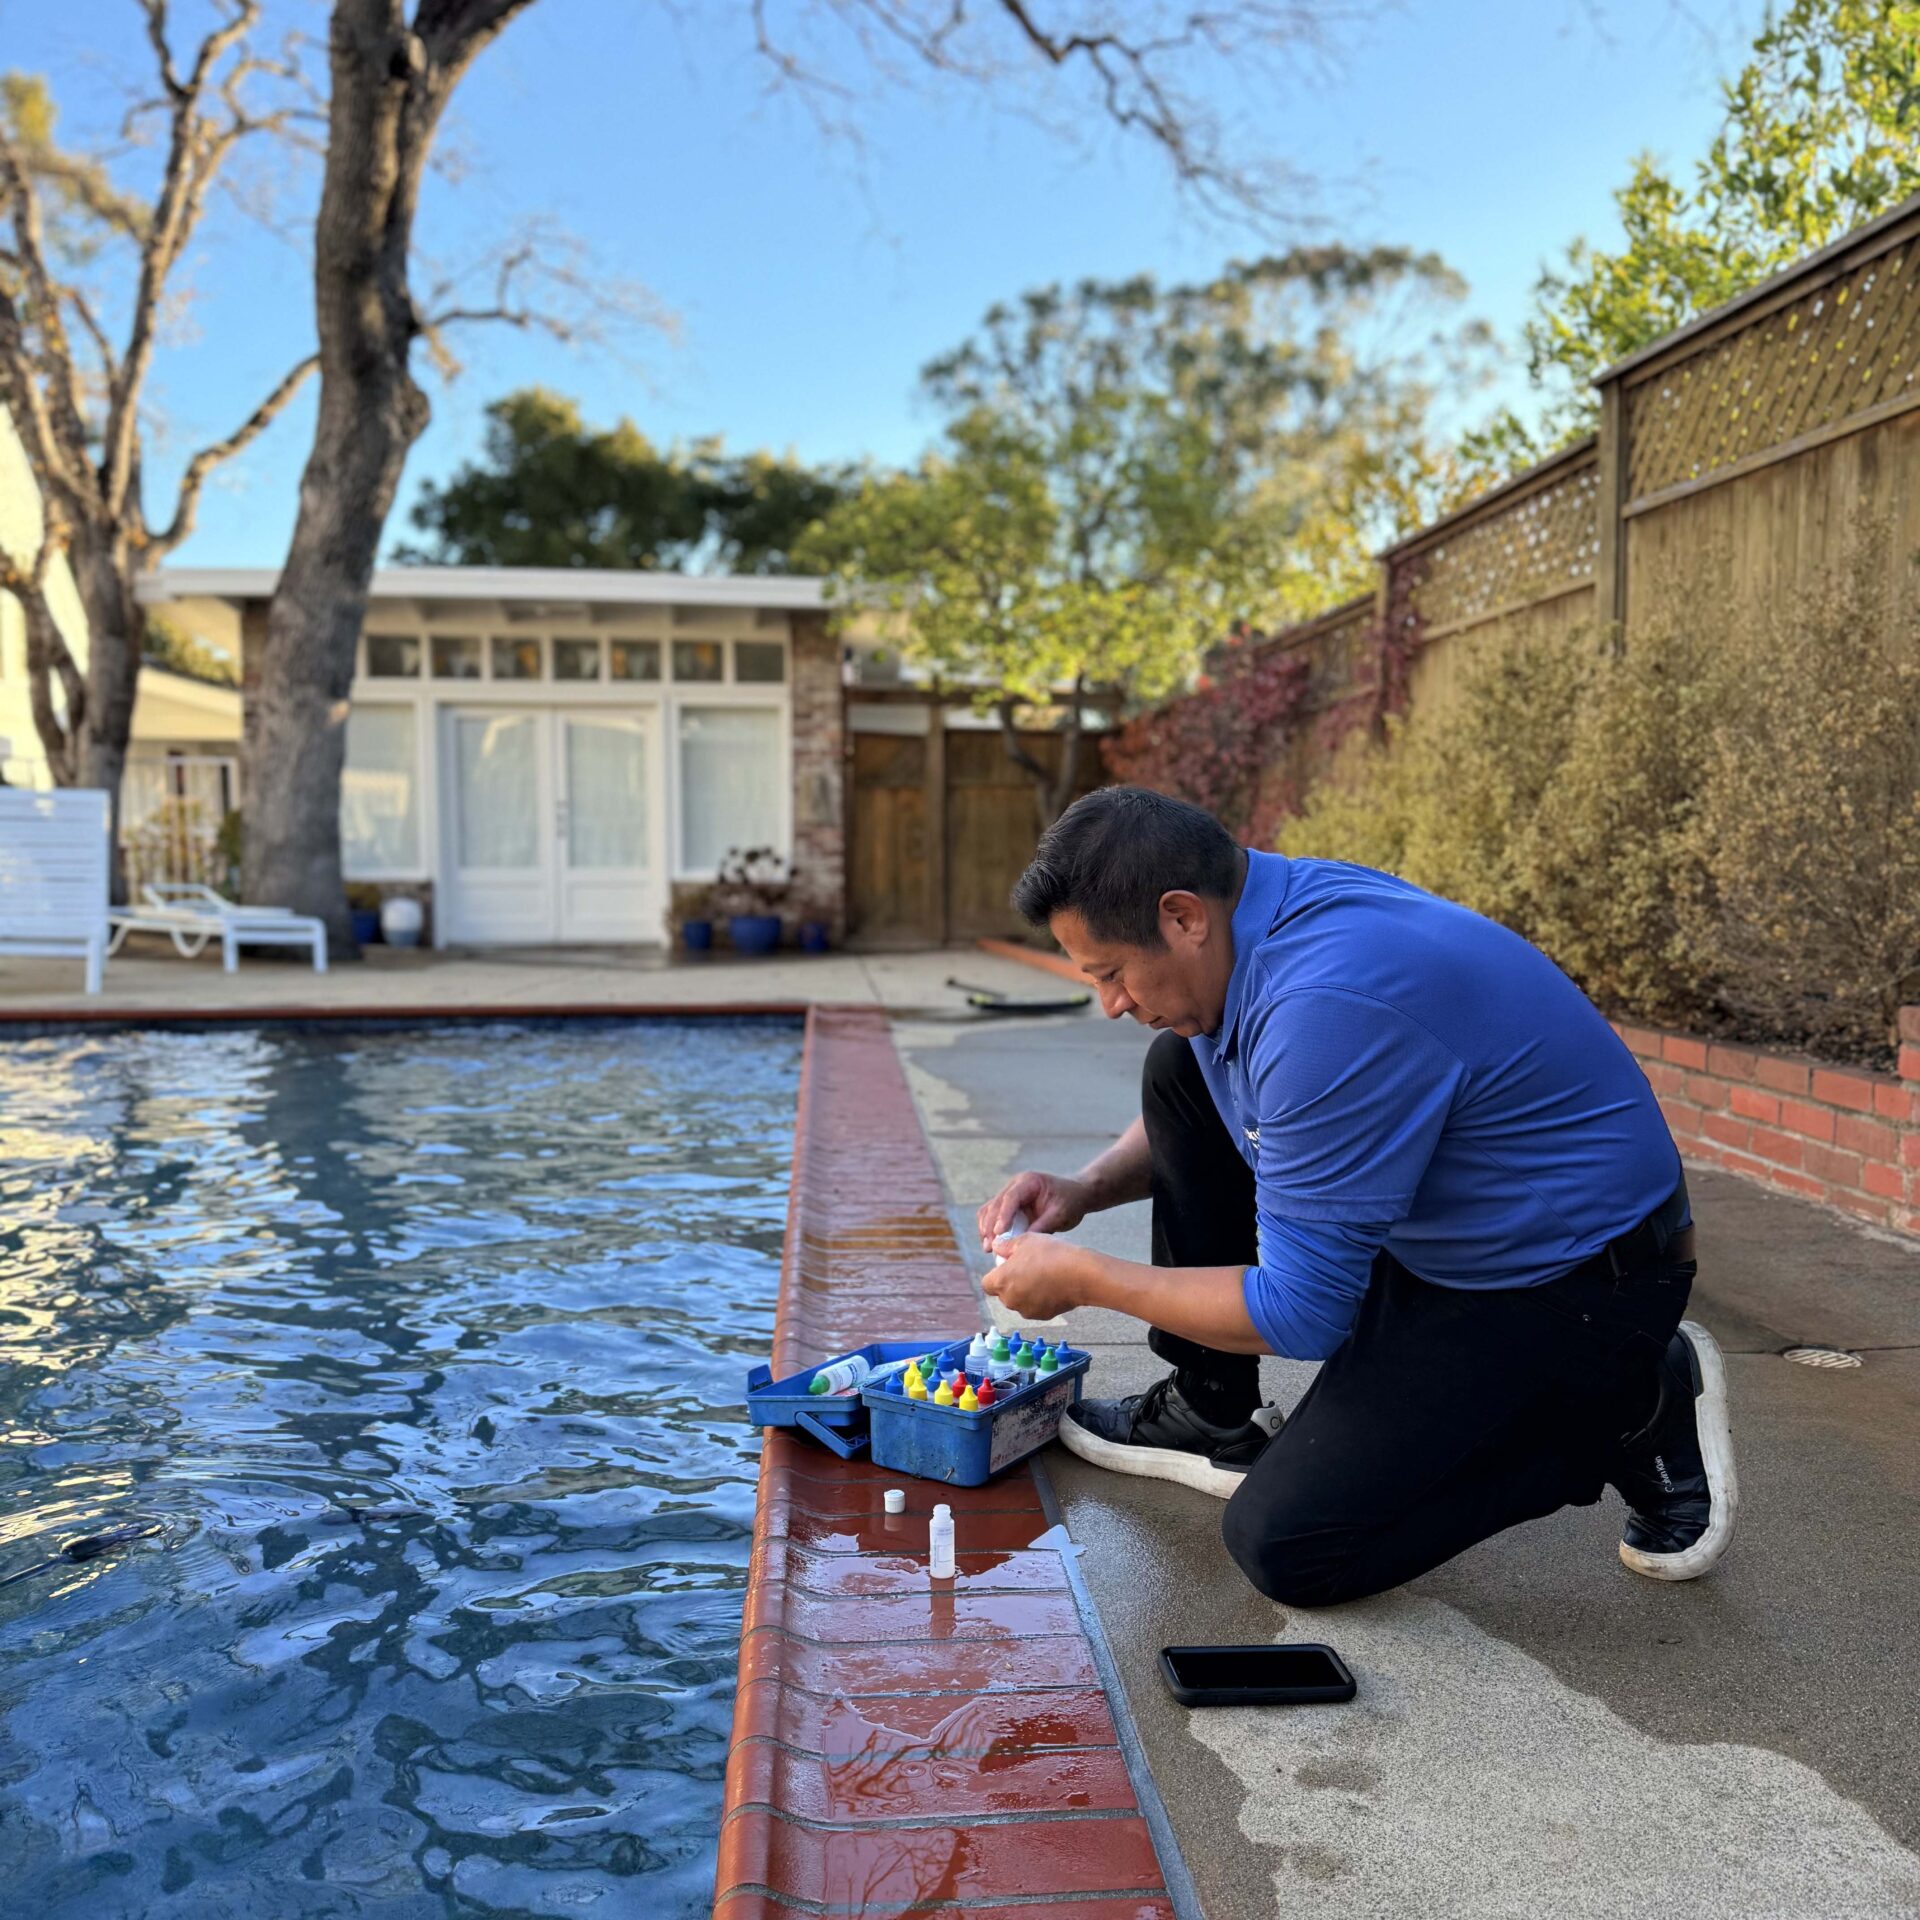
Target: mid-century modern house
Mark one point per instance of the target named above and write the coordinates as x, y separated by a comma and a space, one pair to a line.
540, 755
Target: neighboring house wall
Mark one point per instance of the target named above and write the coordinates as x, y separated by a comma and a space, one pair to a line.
21, 529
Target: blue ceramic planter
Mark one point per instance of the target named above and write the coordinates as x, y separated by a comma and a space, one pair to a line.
754, 932
366, 926
696, 935
813, 936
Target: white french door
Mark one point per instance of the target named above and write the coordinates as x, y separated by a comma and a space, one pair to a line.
553, 825
610, 841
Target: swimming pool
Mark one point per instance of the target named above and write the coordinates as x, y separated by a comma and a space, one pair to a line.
425, 1351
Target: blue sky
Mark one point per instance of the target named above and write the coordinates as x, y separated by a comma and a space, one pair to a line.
809, 284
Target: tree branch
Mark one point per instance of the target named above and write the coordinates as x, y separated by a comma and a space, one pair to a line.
56, 414
187, 506
194, 152
453, 31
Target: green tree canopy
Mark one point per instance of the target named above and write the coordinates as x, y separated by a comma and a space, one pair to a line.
1127, 471
550, 491
1821, 133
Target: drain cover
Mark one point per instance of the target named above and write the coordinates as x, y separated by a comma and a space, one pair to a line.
1821, 1357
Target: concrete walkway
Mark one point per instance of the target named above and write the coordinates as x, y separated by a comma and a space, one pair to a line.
151, 978
1538, 1732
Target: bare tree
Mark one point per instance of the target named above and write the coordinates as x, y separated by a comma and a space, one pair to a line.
76, 392
391, 80
393, 68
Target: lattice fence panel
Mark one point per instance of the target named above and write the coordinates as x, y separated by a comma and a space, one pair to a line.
1340, 659
1839, 350
1544, 543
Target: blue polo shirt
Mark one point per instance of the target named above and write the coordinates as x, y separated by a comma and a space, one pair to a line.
1401, 1073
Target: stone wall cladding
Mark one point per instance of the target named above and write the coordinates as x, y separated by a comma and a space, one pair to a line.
819, 772
1840, 1136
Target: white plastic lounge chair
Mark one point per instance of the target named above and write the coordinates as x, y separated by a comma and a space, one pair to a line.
191, 916
53, 876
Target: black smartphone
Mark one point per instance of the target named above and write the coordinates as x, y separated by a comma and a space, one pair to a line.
1260, 1676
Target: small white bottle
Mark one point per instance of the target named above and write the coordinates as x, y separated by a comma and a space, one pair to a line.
940, 1544
977, 1354
1016, 1226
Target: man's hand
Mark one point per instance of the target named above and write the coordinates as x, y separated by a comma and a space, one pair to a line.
1051, 1202
1040, 1277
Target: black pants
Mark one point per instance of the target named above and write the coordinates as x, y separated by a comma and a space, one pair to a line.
1449, 1414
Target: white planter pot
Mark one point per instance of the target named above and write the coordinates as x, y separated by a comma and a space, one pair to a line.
400, 921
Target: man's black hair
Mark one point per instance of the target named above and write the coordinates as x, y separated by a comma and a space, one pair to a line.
1114, 852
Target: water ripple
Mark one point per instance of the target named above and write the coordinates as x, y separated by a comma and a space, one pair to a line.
425, 1352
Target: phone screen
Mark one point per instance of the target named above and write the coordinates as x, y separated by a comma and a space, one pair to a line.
1211, 1668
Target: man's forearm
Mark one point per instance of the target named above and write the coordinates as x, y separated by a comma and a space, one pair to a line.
1207, 1304
1124, 1172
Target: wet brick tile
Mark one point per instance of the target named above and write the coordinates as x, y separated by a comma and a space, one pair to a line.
988, 1531
919, 1666
760, 1906
868, 1868
937, 1612
894, 1782
846, 1576
1052, 1717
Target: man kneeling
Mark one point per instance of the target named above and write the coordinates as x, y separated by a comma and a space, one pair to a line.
1383, 1133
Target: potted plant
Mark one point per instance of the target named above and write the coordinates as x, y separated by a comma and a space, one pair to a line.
691, 917
363, 903
753, 885
816, 924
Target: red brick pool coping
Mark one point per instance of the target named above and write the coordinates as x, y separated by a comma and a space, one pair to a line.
899, 1746
1033, 957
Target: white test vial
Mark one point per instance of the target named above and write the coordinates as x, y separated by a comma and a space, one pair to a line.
940, 1544
1017, 1225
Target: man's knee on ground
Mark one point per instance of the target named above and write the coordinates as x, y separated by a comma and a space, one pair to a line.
1290, 1568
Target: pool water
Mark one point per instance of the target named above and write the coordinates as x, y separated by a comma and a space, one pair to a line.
425, 1351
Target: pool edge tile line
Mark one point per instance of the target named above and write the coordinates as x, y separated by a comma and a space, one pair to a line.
889, 1825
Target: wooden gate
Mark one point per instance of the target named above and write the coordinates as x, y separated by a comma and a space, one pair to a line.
942, 825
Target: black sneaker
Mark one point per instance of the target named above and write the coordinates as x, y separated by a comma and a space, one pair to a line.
1678, 1478
1158, 1434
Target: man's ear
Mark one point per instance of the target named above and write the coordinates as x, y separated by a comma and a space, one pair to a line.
1184, 917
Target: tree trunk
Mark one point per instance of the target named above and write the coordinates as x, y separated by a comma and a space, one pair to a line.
389, 86
103, 575
371, 411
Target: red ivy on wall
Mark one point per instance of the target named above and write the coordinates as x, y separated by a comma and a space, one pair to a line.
1224, 745
1213, 745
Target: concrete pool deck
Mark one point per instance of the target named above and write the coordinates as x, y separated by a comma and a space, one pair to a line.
151, 982
1538, 1731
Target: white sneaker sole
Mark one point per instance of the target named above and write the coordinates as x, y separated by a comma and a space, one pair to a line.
1152, 1463
1715, 1429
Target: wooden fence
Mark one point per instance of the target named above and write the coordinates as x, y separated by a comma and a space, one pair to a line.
1736, 461
940, 827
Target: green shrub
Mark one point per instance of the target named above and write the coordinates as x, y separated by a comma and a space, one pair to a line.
1803, 872
1716, 825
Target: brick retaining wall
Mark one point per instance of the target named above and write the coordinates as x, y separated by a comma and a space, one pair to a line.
1841, 1136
